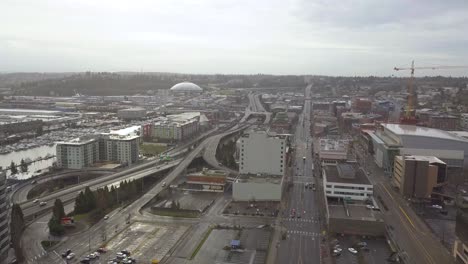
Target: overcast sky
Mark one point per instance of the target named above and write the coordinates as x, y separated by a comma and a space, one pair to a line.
329, 37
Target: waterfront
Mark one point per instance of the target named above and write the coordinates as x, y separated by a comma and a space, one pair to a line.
32, 154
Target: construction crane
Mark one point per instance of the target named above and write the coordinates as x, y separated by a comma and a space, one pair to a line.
410, 115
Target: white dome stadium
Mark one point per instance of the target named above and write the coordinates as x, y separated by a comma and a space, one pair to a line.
186, 87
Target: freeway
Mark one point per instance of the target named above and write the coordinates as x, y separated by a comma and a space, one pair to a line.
255, 108
20, 193
302, 244
66, 195
116, 222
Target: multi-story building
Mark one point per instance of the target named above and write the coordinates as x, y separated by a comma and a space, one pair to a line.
4, 218
345, 181
417, 176
260, 152
362, 105
124, 149
444, 122
177, 127
78, 153
84, 152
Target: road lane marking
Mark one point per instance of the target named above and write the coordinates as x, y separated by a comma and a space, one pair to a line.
407, 217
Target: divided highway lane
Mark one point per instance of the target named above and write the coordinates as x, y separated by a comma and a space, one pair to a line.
30, 208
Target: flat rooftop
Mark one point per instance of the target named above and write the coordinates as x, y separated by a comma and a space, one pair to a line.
410, 130
356, 212
345, 173
262, 178
430, 159
335, 145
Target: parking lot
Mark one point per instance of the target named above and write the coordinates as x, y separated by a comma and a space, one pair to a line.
252, 208
254, 246
377, 251
145, 241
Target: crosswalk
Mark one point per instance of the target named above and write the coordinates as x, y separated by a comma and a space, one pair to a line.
303, 233
303, 220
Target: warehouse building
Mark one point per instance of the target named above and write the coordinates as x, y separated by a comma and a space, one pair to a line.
132, 113
207, 180
391, 140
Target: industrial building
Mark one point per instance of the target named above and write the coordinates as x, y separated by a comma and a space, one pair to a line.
391, 140
132, 113
260, 152
257, 187
4, 218
417, 176
345, 181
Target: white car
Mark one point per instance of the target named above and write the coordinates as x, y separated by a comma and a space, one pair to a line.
370, 207
436, 206
42, 203
71, 255
106, 217
36, 201
352, 250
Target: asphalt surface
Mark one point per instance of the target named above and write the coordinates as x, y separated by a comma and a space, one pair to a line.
255, 108
302, 244
416, 242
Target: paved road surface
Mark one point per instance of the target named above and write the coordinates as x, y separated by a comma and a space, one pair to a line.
303, 234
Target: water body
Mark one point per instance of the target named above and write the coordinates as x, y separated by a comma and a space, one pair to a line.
33, 154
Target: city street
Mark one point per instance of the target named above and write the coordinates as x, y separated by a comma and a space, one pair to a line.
301, 218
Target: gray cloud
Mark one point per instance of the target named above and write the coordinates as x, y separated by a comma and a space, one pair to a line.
339, 37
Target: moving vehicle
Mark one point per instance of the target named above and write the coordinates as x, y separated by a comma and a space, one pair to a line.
164, 184
36, 201
42, 203
106, 217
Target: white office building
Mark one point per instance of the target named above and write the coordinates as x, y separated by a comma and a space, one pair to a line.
345, 181
4, 218
261, 153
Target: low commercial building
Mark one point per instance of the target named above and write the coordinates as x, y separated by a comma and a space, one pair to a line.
257, 187
262, 153
207, 180
332, 151
418, 176
346, 181
460, 247
4, 218
132, 113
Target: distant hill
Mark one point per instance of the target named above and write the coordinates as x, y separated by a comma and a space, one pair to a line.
10, 79
127, 83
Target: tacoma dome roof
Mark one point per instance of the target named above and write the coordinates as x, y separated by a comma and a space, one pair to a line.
186, 87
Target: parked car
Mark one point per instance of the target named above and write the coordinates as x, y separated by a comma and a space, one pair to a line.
126, 252
71, 256
66, 253
352, 250
102, 250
